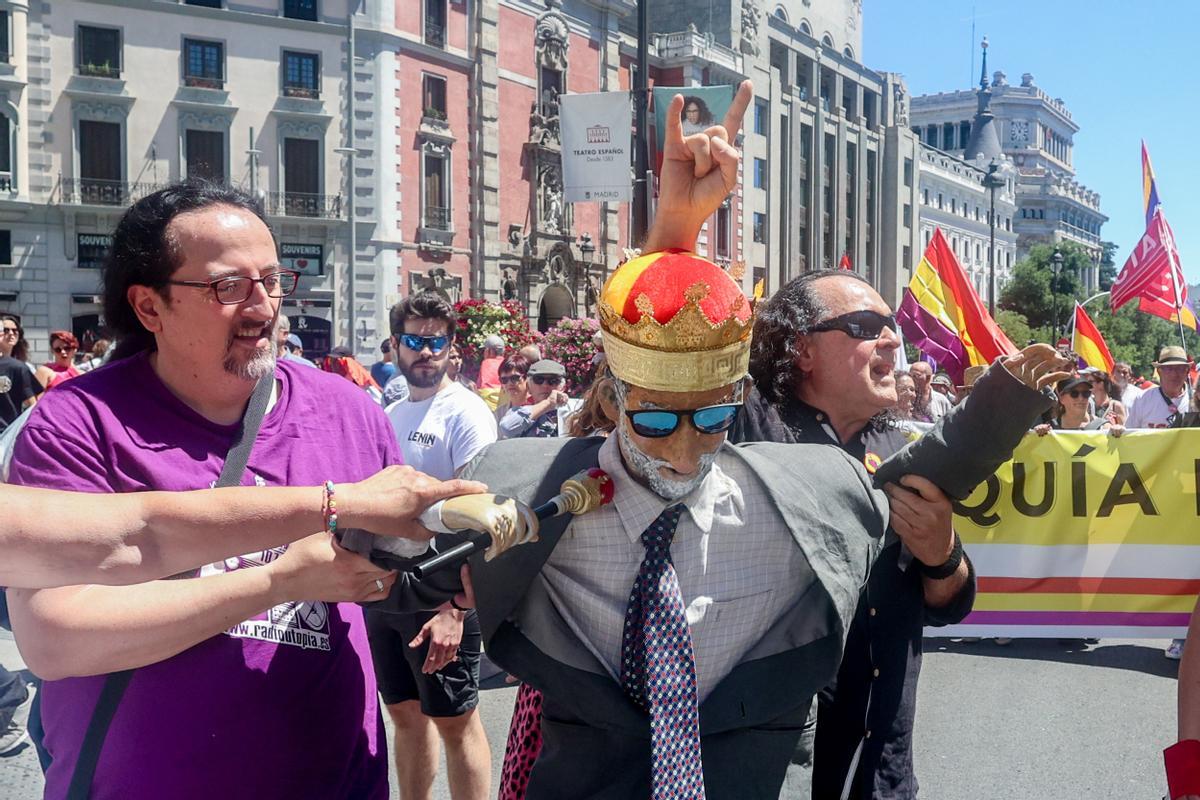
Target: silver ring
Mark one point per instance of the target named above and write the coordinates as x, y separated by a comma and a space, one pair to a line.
378, 585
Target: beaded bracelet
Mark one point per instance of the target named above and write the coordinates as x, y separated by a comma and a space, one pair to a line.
329, 508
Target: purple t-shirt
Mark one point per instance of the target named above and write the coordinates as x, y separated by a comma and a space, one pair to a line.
282, 705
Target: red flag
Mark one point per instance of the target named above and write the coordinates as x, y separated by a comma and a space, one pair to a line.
845, 262
1149, 270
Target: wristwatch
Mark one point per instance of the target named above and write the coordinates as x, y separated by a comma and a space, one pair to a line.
949, 567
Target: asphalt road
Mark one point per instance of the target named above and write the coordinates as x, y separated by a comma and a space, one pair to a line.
1037, 720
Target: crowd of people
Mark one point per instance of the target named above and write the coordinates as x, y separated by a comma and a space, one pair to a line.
779, 534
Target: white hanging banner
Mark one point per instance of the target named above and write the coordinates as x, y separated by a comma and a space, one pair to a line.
596, 147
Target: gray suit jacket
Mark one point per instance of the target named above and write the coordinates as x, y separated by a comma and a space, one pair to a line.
596, 742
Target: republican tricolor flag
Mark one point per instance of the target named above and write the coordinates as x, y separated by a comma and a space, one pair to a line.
1089, 343
943, 317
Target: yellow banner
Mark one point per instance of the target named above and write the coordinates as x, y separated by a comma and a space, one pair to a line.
1086, 534
1090, 488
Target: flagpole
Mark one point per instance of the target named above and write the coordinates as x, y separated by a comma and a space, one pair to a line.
1169, 242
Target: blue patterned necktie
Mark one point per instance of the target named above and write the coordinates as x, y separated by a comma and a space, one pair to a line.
658, 668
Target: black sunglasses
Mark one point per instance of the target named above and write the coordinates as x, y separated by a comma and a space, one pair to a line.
1078, 393
660, 423
513, 378
553, 380
858, 324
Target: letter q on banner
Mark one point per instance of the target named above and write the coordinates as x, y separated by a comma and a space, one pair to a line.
596, 145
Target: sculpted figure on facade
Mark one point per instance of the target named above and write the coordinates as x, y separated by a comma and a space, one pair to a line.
900, 95
751, 16
550, 38
550, 195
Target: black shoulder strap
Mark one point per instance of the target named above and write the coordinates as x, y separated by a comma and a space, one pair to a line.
116, 683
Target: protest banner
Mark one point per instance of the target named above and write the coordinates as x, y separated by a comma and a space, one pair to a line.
596, 147
1083, 534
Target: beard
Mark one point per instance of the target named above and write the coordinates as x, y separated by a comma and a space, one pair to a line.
254, 368
647, 467
421, 379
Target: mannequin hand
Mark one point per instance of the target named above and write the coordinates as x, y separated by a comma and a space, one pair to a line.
510, 523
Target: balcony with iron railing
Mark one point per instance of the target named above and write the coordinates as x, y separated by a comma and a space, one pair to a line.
105, 70
305, 91
97, 192
203, 82
435, 33
436, 219
301, 204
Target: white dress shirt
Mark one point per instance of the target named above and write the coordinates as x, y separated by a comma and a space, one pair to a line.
739, 567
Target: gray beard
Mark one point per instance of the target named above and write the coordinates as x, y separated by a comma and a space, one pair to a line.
647, 468
257, 367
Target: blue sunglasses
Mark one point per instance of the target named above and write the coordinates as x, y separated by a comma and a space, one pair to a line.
436, 344
660, 424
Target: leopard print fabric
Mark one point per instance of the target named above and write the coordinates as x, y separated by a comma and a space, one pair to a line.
524, 744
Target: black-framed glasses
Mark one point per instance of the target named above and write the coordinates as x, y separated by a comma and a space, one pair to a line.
1078, 393
10, 332
417, 343
858, 324
542, 380
660, 423
236, 289
62, 351
515, 377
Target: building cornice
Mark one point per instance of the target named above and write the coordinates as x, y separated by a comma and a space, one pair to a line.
229, 16
405, 42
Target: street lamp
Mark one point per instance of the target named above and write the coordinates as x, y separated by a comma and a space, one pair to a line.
586, 251
992, 181
1056, 262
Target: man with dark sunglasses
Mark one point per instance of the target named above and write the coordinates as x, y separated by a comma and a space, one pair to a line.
538, 419
824, 353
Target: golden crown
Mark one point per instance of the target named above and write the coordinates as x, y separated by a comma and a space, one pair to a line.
688, 353
689, 331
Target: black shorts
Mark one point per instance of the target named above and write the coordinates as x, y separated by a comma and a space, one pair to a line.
450, 692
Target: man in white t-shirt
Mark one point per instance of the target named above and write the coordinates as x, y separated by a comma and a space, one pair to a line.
1156, 407
1122, 376
427, 664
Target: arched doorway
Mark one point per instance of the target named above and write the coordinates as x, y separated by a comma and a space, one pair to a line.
556, 303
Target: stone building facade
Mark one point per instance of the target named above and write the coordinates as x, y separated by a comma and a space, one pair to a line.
103, 102
955, 196
1037, 132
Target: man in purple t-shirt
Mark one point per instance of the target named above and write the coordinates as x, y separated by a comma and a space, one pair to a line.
254, 679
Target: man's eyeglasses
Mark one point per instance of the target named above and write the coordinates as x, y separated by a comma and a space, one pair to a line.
237, 289
858, 324
658, 424
541, 380
513, 378
436, 344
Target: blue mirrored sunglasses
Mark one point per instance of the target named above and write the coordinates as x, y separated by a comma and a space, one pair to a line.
661, 423
436, 344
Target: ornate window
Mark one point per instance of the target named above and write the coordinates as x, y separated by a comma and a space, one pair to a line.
98, 51
203, 64
301, 75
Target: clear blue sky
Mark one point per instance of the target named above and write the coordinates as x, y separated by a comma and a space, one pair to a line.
1126, 71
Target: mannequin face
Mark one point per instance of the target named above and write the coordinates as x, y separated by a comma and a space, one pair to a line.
671, 466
